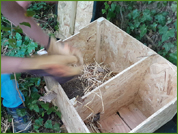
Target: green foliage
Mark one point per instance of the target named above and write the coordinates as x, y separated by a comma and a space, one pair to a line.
29, 13
48, 124
19, 45
25, 24
141, 22
110, 10
56, 127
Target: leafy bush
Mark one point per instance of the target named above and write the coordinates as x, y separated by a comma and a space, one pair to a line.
148, 23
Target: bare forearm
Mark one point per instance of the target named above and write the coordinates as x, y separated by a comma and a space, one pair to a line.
10, 64
16, 14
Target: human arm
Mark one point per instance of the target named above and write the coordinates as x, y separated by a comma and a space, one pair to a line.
57, 65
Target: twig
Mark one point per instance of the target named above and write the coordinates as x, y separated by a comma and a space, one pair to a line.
46, 23
18, 90
12, 125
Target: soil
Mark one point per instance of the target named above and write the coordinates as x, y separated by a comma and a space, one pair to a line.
74, 88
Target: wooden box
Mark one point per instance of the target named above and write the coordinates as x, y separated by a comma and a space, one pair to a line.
139, 99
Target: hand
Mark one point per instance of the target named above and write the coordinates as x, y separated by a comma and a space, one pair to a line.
57, 65
63, 49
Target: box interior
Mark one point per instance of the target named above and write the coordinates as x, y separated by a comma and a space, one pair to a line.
145, 81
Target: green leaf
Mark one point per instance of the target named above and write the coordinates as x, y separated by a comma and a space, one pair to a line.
36, 127
146, 15
35, 96
30, 49
175, 24
153, 12
29, 13
39, 121
162, 30
18, 36
174, 7
110, 14
160, 18
113, 7
48, 124
169, 20
37, 83
165, 13
42, 114
5, 28
25, 24
21, 112
50, 110
143, 30
129, 15
117, 9
168, 46
33, 44
59, 114
106, 5
136, 23
135, 13
19, 43
36, 108
153, 26
12, 42
18, 29
173, 58
168, 34
149, 2
45, 106
34, 89
56, 127
103, 11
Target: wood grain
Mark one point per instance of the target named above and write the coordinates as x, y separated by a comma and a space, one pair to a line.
131, 115
70, 117
114, 124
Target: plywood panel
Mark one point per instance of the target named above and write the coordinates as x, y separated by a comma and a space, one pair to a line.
114, 124
118, 49
159, 86
70, 117
85, 41
131, 115
66, 18
83, 14
157, 119
115, 93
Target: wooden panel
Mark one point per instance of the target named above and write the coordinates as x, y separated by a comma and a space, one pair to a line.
159, 86
66, 18
118, 49
83, 14
116, 92
114, 124
157, 119
85, 41
131, 115
70, 117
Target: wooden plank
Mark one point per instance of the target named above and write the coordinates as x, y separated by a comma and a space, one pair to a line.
158, 119
158, 88
131, 115
119, 50
114, 124
70, 117
83, 14
116, 92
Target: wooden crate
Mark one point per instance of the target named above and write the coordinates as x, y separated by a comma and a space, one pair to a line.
140, 98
